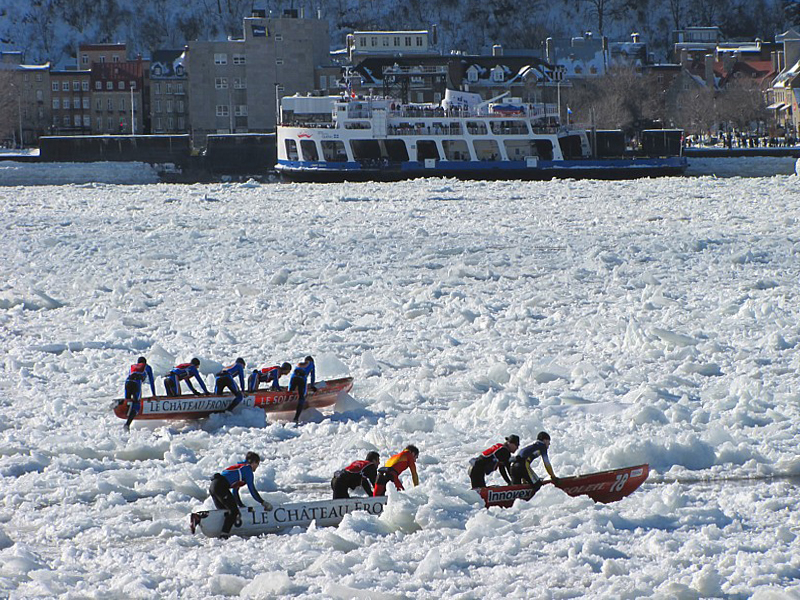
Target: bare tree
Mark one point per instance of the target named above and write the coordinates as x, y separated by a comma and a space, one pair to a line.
742, 103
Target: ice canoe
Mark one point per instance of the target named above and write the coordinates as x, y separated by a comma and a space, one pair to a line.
195, 407
257, 521
604, 486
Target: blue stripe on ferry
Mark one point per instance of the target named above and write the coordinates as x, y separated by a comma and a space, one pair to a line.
445, 165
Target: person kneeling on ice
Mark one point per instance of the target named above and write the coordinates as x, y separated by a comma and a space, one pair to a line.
232, 478
225, 379
407, 459
266, 375
184, 372
491, 459
360, 472
521, 470
299, 381
133, 388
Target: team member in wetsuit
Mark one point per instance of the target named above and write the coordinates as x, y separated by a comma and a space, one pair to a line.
491, 459
360, 472
299, 382
232, 478
266, 375
226, 379
133, 388
521, 470
184, 372
407, 459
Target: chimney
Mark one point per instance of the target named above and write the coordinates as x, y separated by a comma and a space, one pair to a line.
685, 58
709, 71
497, 50
434, 35
549, 51
635, 37
774, 58
728, 60
791, 52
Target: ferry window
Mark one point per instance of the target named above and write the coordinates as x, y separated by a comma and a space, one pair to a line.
455, 150
427, 149
291, 150
570, 146
396, 150
509, 127
487, 150
366, 149
396, 41
374, 41
419, 40
385, 41
476, 128
334, 151
520, 149
309, 148
357, 125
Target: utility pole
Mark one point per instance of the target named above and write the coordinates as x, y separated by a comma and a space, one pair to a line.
19, 111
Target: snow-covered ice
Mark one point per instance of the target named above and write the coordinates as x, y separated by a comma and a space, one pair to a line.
641, 321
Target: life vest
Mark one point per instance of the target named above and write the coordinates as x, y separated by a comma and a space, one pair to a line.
358, 466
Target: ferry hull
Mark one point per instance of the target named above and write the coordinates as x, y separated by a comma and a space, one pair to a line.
611, 169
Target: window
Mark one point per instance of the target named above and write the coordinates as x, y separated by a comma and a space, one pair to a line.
221, 83
419, 40
121, 85
115, 58
55, 121
76, 86
39, 96
408, 41
85, 86
110, 104
179, 88
239, 83
180, 106
323, 82
158, 106
220, 59
472, 75
334, 151
240, 110
76, 101
110, 122
122, 104
66, 121
169, 106
223, 110
98, 104
291, 150
279, 61
374, 41
84, 59
169, 88
278, 37
309, 148
77, 121
362, 42
498, 74
87, 121
86, 103
98, 85
65, 104
385, 41
396, 40
54, 86
65, 86
239, 59
179, 70
158, 124
133, 85
39, 77
102, 59
56, 103
170, 123
181, 123
157, 89
109, 85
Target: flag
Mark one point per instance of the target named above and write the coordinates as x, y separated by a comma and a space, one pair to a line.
569, 110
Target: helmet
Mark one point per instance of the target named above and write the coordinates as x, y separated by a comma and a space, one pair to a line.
513, 439
309, 358
413, 449
195, 362
373, 456
141, 360
252, 457
240, 361
543, 435
286, 366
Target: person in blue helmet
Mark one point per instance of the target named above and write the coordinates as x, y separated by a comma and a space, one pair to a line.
184, 372
299, 383
139, 372
226, 379
224, 490
521, 470
266, 375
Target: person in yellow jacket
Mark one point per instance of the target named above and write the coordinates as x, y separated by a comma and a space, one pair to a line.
407, 459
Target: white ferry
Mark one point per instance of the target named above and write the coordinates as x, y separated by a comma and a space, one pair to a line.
343, 138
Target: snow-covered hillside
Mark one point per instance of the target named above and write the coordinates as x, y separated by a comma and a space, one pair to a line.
52, 29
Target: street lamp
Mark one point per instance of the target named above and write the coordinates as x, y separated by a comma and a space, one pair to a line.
19, 110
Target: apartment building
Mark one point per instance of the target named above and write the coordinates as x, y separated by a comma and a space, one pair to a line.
169, 100
234, 85
70, 102
117, 93
24, 99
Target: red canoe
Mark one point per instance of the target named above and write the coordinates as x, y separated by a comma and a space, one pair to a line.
195, 407
605, 486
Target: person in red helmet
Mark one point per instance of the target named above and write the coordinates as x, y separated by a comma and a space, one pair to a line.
492, 459
407, 459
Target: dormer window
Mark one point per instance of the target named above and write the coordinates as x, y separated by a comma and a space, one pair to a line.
157, 70
498, 74
472, 75
179, 71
